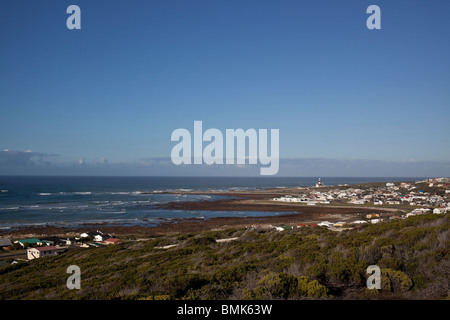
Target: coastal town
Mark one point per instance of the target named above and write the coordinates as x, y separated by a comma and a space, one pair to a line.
336, 230
377, 203
389, 194
407, 198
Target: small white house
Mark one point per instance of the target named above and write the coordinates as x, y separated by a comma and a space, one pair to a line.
100, 237
359, 221
440, 210
374, 220
325, 224
97, 236
342, 195
40, 252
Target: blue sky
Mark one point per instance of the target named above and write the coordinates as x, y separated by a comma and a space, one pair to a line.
113, 92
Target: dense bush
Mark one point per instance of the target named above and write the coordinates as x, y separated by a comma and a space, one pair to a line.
285, 286
306, 263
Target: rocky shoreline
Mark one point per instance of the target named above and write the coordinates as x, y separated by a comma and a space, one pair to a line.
283, 213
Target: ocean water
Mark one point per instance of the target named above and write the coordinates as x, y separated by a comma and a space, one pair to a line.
127, 201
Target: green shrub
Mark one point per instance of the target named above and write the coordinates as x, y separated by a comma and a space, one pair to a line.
395, 281
284, 286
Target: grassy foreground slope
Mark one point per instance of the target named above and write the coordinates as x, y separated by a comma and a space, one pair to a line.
305, 263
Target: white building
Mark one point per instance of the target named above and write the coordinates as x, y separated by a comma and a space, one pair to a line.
342, 195
101, 237
291, 199
359, 221
40, 252
325, 224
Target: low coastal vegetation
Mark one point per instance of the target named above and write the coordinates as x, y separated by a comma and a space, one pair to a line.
256, 263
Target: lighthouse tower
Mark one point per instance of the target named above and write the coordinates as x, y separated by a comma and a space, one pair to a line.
319, 183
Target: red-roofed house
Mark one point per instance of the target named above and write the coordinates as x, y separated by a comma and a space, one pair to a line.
307, 225
113, 241
39, 252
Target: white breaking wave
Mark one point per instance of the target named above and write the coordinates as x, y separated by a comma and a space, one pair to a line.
115, 212
75, 193
130, 192
30, 207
